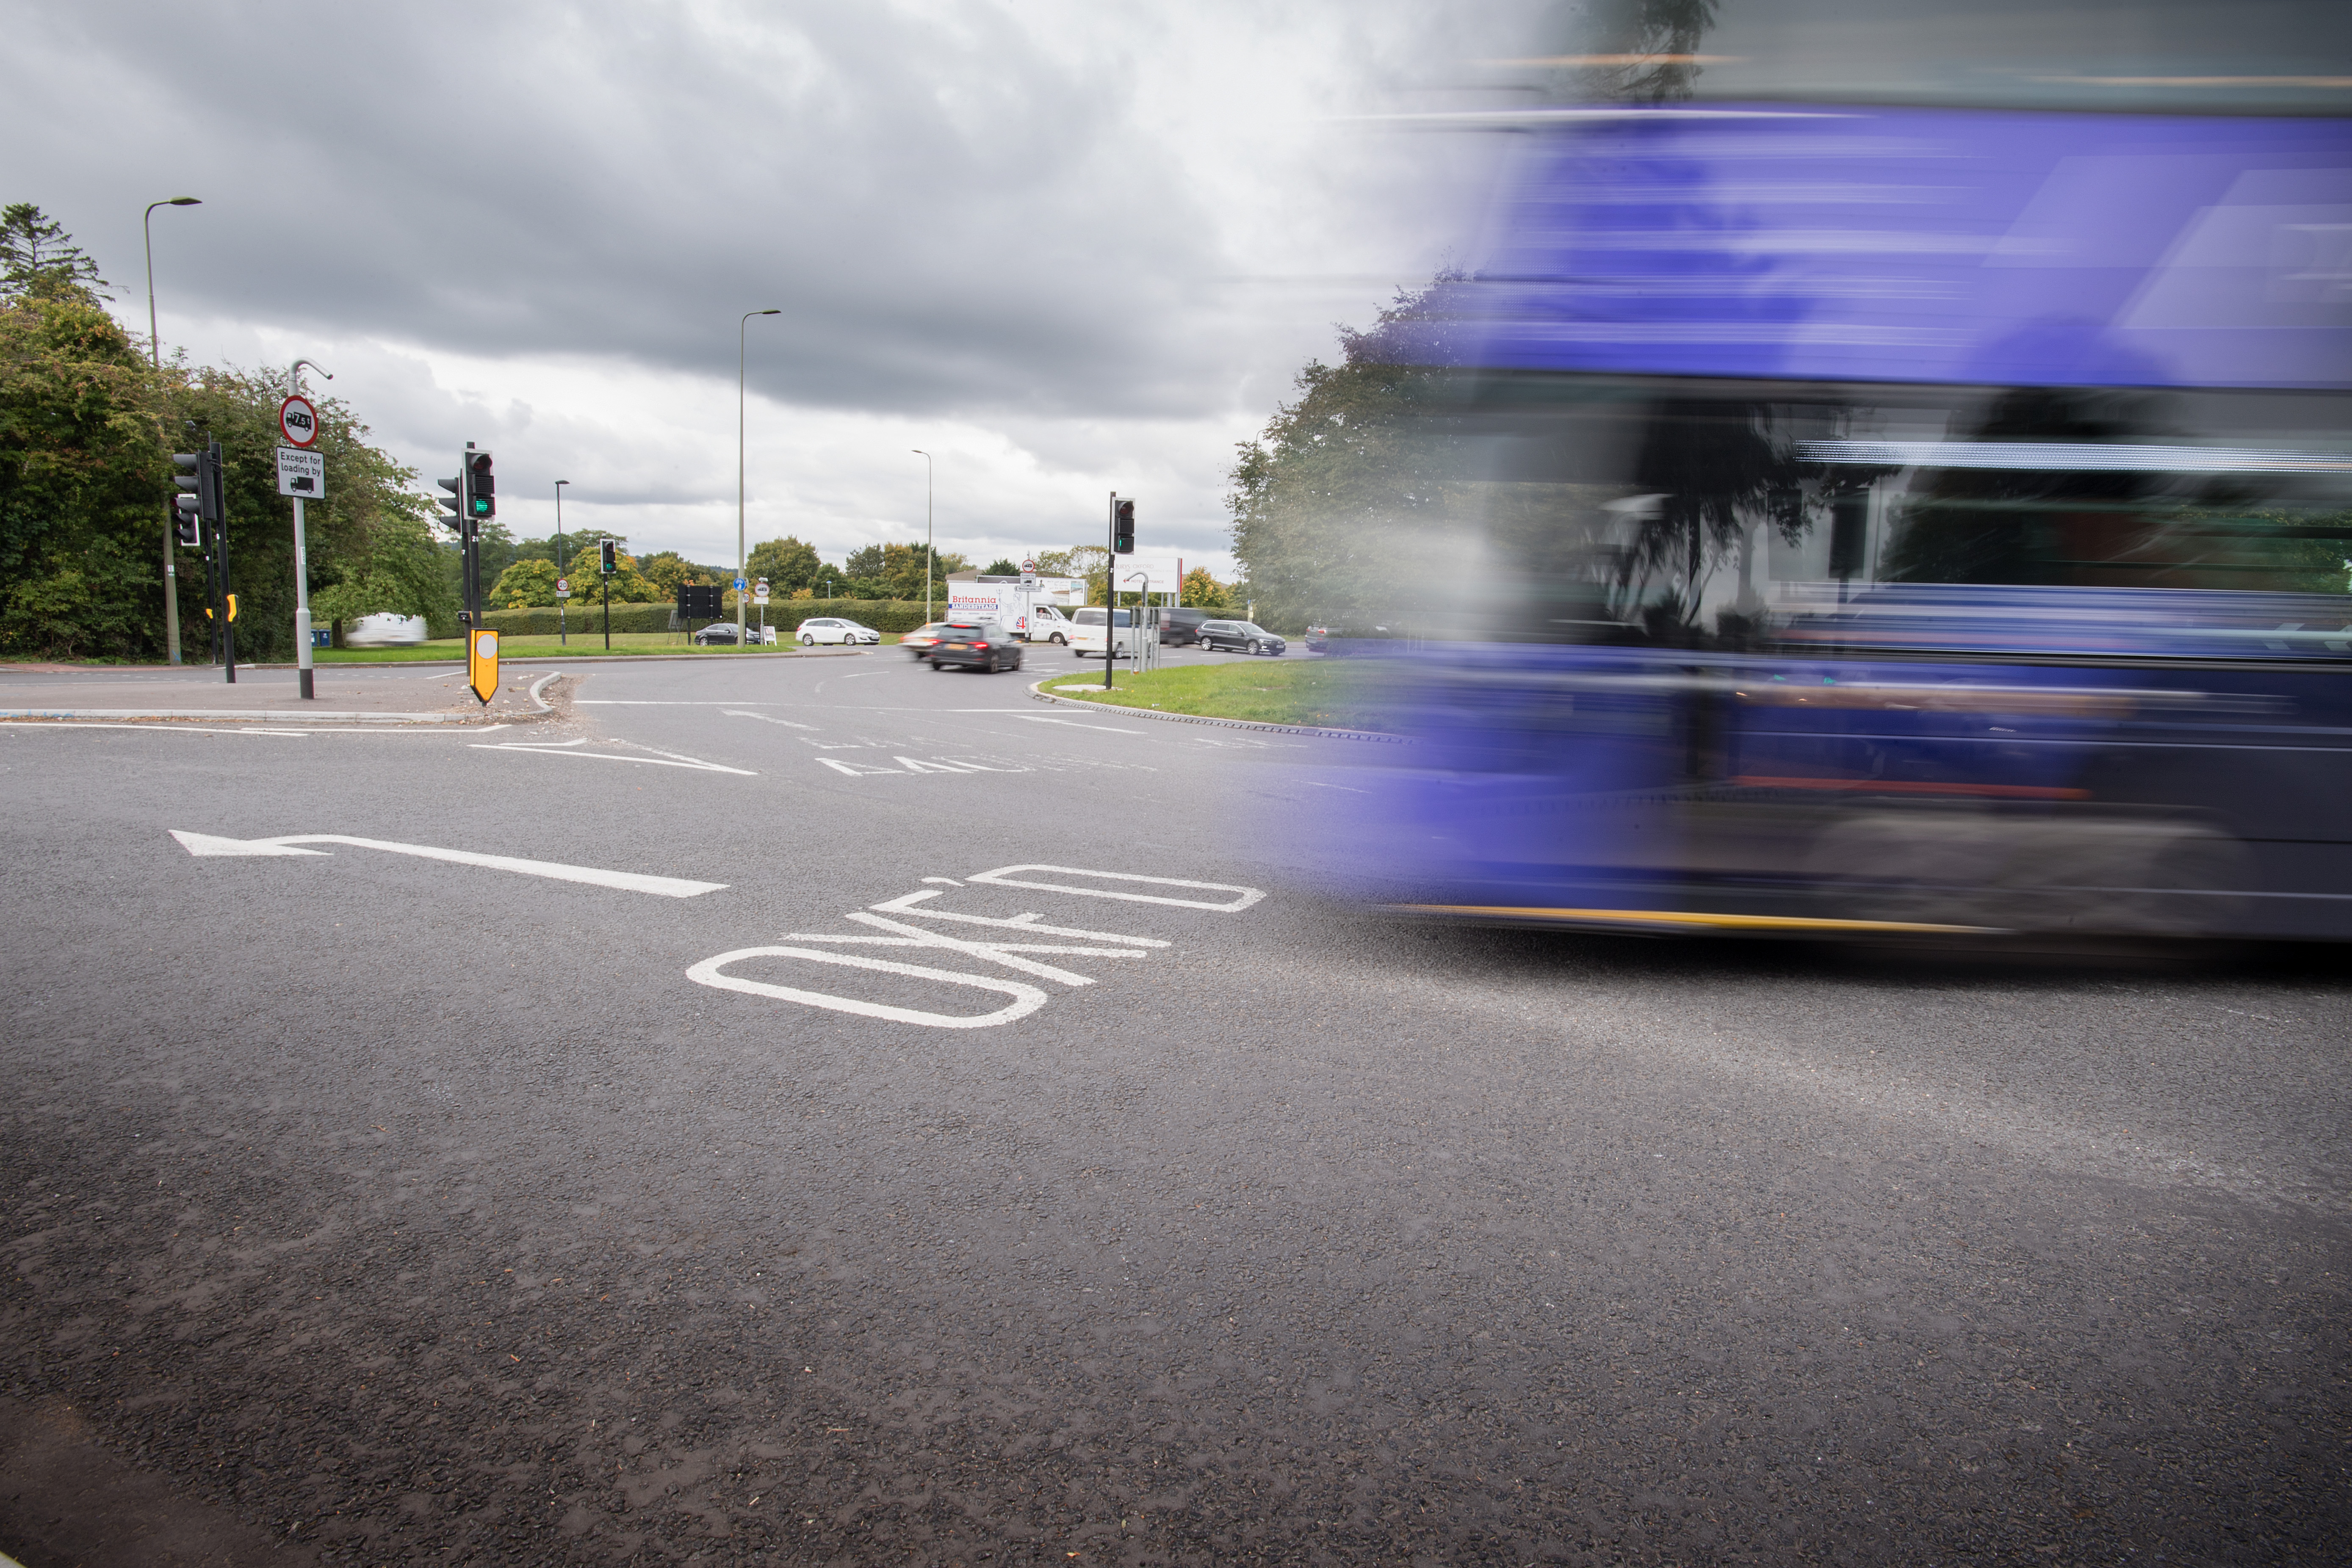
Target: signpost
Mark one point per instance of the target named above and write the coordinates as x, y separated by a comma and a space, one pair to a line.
482, 662
562, 607
760, 597
301, 474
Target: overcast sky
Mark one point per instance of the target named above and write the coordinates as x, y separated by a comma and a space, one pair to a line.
1067, 247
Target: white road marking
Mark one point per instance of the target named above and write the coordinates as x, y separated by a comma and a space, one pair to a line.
1078, 725
854, 770
663, 702
1312, 785
862, 674
1248, 896
207, 845
1026, 999
659, 760
912, 766
767, 719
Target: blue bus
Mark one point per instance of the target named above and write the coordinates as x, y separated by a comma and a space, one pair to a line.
1911, 459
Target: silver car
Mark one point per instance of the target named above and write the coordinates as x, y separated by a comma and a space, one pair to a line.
835, 629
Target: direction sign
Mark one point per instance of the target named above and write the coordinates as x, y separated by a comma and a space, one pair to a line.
302, 475
298, 421
740, 584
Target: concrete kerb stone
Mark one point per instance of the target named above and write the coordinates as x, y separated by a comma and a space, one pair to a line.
541, 711
574, 658
1036, 690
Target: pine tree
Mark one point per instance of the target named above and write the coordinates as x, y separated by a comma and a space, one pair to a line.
38, 256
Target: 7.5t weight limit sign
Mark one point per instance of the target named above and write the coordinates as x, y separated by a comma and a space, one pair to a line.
298, 421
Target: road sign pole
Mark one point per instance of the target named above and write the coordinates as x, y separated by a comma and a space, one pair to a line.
302, 677
1110, 593
608, 614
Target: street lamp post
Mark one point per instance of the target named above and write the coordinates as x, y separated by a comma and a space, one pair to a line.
562, 635
155, 352
303, 660
928, 551
743, 339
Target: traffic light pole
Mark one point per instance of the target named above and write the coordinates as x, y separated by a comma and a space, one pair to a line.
1110, 592
220, 550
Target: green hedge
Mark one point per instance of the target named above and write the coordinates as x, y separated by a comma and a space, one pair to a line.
882, 615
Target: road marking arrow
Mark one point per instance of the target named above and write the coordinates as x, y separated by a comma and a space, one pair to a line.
207, 845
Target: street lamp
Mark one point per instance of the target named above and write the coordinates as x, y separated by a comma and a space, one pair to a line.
563, 633
928, 551
155, 352
743, 338
302, 559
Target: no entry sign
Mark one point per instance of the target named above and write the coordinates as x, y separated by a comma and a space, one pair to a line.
298, 421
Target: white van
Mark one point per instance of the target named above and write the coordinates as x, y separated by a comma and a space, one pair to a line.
1086, 631
1048, 624
386, 631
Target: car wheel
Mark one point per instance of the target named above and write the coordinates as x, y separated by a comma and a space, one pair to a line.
807, 641
1060, 641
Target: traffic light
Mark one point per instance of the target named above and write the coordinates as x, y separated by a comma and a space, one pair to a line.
1122, 528
608, 557
481, 489
199, 496
455, 507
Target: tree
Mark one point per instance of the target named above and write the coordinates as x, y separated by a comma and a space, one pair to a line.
523, 585
1000, 567
83, 474
629, 585
1200, 591
668, 570
787, 563
37, 257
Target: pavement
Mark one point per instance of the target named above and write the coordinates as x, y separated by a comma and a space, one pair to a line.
838, 1112
388, 694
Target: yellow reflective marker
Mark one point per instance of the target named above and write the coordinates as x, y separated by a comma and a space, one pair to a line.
482, 664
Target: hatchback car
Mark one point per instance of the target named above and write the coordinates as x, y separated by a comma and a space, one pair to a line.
721, 632
833, 629
1240, 637
1318, 639
975, 645
922, 639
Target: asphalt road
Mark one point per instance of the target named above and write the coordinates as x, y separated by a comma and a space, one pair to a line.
376, 1208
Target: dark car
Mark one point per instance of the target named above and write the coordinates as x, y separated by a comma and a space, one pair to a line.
922, 639
975, 645
1240, 637
717, 632
1177, 628
1318, 639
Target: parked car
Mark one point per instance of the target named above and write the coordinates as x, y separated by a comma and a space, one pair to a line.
975, 645
1180, 628
835, 629
1318, 639
1240, 637
386, 631
722, 633
1086, 631
922, 639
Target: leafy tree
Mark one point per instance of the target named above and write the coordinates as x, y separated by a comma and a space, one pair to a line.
668, 570
629, 585
863, 562
83, 474
1000, 567
525, 583
37, 257
787, 563
1200, 591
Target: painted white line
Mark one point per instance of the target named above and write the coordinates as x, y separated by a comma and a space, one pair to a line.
1026, 999
1310, 783
1080, 724
766, 718
862, 674
1247, 896
207, 845
660, 702
664, 760
991, 951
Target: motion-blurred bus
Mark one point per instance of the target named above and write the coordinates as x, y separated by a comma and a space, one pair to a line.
1909, 452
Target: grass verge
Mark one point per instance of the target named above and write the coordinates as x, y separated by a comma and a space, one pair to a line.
1327, 693
581, 646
